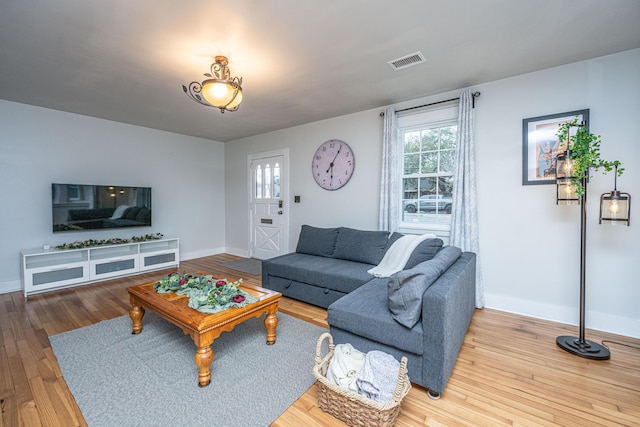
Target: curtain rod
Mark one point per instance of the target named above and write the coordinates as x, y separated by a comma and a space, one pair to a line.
473, 103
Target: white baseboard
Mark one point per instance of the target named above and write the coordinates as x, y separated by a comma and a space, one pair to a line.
214, 251
10, 286
569, 315
237, 252
184, 256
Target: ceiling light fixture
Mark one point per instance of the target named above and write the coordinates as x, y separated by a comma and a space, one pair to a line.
220, 90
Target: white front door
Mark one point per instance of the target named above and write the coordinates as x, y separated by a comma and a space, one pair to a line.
268, 213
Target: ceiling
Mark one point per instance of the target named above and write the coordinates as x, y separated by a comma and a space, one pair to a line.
300, 60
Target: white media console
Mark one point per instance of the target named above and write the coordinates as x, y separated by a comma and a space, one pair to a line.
44, 270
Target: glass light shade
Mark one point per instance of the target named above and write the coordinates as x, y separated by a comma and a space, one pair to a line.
220, 91
221, 94
566, 192
615, 208
564, 165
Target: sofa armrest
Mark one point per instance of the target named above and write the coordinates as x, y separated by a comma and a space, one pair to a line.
447, 307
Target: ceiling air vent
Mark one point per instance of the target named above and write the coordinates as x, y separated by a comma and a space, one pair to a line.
407, 61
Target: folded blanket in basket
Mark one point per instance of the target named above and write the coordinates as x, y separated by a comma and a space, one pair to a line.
344, 366
378, 377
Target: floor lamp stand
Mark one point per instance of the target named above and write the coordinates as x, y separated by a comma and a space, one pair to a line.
580, 346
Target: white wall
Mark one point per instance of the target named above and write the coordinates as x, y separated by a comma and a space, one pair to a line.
529, 246
39, 146
354, 205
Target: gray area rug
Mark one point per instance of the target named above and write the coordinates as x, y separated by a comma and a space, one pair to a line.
150, 379
246, 265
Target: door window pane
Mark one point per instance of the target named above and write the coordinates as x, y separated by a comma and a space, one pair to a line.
258, 194
276, 181
267, 181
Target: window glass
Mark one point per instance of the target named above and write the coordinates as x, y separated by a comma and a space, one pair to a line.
267, 181
428, 156
276, 181
73, 192
259, 182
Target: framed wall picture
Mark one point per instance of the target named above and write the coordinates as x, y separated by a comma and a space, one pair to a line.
540, 145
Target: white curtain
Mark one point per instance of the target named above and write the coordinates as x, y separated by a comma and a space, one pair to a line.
389, 177
464, 218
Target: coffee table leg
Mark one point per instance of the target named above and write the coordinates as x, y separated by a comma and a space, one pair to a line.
136, 314
203, 358
270, 323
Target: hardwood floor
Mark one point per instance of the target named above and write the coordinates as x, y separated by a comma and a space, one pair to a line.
509, 372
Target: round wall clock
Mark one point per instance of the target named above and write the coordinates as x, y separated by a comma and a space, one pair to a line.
333, 164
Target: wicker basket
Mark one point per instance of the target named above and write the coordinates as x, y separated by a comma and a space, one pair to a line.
349, 406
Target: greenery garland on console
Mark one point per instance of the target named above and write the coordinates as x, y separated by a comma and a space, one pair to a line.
114, 241
205, 293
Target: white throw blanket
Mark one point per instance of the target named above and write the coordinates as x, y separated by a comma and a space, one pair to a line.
345, 365
398, 254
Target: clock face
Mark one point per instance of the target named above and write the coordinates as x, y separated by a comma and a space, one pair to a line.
333, 164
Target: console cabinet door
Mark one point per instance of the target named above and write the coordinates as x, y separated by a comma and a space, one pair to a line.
103, 269
43, 278
160, 254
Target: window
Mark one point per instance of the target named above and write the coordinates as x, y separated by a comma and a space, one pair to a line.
267, 182
428, 156
73, 192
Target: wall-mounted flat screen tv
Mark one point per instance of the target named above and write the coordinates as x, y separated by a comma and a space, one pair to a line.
77, 207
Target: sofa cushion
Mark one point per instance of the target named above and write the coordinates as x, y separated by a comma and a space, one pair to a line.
144, 215
317, 241
405, 288
364, 312
360, 245
119, 211
392, 239
330, 273
130, 213
425, 251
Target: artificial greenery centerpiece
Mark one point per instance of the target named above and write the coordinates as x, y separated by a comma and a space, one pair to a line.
205, 293
584, 149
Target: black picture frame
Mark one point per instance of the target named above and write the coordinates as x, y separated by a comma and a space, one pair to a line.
540, 145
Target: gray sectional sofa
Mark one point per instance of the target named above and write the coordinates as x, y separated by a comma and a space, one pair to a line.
422, 312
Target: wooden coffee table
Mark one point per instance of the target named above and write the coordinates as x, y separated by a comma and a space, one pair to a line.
204, 328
